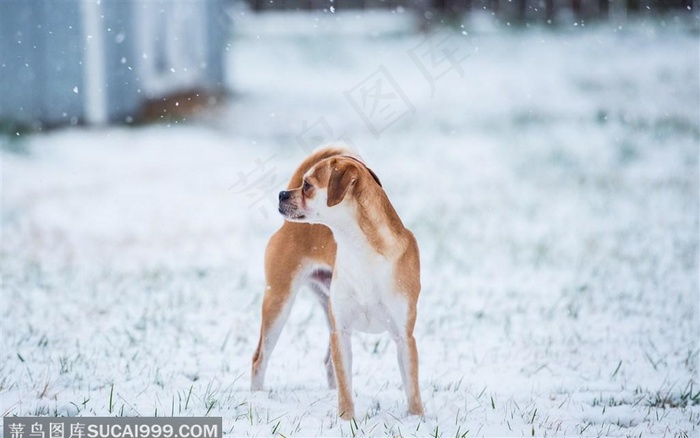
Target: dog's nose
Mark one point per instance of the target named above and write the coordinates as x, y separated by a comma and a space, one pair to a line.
284, 194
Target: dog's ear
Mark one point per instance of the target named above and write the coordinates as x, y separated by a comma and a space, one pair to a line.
341, 179
374, 175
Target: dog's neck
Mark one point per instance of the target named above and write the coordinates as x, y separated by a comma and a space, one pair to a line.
374, 224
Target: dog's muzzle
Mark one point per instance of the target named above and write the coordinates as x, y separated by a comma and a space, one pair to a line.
287, 207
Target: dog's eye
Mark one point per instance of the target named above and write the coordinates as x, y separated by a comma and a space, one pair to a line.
306, 187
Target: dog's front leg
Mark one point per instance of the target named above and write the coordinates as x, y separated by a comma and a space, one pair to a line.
341, 351
341, 354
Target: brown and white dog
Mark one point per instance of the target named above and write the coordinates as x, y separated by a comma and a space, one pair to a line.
374, 267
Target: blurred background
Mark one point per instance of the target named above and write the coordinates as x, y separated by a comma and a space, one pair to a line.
111, 62
543, 152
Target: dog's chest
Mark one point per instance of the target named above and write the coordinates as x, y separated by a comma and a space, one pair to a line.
364, 293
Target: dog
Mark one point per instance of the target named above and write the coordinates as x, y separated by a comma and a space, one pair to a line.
343, 239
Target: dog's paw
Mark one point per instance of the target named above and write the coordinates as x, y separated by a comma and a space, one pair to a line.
346, 414
416, 410
256, 386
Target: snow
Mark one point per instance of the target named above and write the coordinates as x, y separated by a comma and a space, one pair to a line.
550, 177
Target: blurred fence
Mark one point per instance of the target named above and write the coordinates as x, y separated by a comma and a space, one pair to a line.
512, 10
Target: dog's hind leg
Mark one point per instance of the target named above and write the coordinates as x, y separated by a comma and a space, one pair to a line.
277, 304
407, 355
408, 365
281, 289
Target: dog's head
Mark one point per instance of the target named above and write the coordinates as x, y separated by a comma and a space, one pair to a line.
327, 189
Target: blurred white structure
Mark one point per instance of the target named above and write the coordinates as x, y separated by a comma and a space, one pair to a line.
100, 62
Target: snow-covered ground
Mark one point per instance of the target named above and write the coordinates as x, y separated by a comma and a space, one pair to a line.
551, 178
